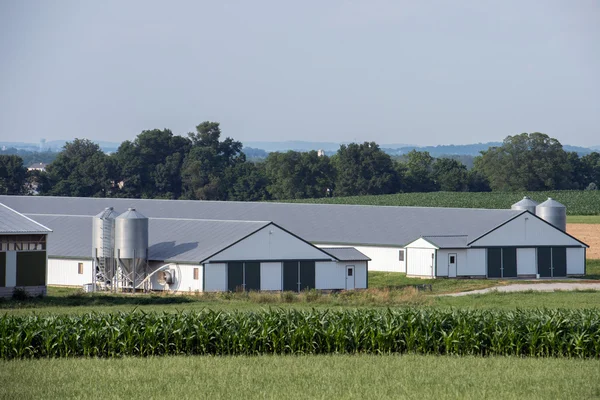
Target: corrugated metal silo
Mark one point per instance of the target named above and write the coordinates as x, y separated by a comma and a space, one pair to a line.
526, 205
103, 237
131, 244
553, 212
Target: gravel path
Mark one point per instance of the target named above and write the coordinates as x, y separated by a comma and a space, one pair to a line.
540, 287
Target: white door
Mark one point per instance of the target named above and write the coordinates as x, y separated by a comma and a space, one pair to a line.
349, 277
452, 265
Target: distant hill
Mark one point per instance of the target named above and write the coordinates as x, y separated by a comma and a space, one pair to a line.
299, 145
56, 145
394, 149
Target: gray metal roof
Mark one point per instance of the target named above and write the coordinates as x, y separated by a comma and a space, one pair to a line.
346, 253
15, 223
177, 240
317, 223
448, 242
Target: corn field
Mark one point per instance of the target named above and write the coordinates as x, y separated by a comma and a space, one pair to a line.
538, 333
578, 202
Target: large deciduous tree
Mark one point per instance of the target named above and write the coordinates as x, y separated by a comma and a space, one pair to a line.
13, 175
299, 175
151, 165
450, 175
419, 172
526, 162
363, 169
81, 169
204, 167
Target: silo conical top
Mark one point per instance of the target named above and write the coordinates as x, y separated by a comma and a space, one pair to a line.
525, 204
132, 213
552, 203
108, 212
553, 212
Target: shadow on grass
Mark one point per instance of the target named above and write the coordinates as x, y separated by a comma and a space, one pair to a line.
87, 300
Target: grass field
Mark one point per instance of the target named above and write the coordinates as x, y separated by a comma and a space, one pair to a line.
325, 377
77, 304
583, 219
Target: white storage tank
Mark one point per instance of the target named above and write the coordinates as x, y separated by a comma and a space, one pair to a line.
553, 212
526, 205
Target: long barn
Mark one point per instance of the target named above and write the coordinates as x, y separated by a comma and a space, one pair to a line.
420, 241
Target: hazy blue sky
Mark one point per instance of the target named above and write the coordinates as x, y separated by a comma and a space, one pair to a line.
423, 72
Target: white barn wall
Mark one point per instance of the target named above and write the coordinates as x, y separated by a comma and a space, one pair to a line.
526, 230
476, 263
526, 261
420, 262
443, 261
188, 283
64, 272
385, 259
575, 261
271, 276
270, 243
360, 274
330, 275
215, 276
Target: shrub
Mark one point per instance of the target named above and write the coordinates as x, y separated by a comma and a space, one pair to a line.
20, 294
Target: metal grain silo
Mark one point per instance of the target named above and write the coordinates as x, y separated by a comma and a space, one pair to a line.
131, 246
526, 205
553, 212
103, 244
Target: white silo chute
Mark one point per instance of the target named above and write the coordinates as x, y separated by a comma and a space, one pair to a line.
103, 244
526, 205
553, 212
131, 248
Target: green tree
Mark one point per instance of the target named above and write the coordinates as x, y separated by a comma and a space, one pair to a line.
526, 162
450, 175
419, 172
203, 170
13, 175
150, 166
81, 169
298, 175
246, 182
363, 169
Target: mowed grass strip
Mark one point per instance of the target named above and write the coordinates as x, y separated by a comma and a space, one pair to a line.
301, 377
388, 289
583, 219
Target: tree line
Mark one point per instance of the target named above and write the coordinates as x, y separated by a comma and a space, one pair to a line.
203, 166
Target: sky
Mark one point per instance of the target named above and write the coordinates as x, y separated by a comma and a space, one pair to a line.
419, 72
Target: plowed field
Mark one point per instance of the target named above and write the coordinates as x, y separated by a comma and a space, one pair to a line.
589, 234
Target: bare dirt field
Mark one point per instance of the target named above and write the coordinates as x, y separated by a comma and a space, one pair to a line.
589, 234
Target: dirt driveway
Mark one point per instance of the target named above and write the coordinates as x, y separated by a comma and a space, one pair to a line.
538, 287
589, 234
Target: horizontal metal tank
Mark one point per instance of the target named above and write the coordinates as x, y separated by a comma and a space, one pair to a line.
526, 205
131, 239
553, 212
103, 236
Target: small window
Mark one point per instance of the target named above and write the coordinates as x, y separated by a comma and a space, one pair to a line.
452, 260
80, 268
196, 274
401, 255
350, 271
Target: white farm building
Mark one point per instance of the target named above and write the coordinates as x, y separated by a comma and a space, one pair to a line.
217, 245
